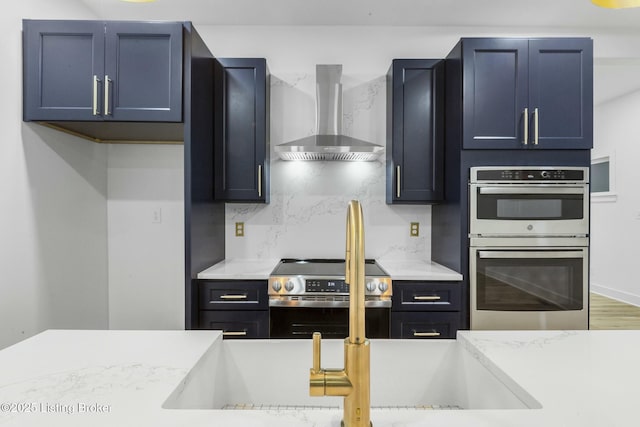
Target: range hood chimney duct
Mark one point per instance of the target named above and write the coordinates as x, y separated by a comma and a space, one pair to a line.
329, 143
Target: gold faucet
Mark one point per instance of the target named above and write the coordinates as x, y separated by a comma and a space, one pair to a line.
352, 382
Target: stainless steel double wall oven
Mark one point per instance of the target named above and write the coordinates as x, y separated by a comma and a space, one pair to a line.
529, 247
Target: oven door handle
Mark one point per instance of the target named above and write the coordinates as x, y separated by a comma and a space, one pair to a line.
537, 189
530, 254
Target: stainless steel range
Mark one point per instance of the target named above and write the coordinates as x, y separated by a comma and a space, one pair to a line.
311, 295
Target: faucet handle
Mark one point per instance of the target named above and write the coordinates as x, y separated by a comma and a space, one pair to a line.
317, 339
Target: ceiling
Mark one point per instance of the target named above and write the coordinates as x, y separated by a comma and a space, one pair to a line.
612, 78
508, 13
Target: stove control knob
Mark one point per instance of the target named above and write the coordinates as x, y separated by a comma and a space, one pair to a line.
371, 286
545, 174
289, 286
383, 286
276, 286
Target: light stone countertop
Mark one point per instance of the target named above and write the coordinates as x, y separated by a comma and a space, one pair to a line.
418, 270
122, 378
260, 269
240, 269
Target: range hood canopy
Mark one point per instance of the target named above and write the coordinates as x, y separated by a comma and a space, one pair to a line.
329, 143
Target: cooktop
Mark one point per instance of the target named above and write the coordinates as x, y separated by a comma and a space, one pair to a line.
323, 267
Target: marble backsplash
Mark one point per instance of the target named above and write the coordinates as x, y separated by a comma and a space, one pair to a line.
306, 216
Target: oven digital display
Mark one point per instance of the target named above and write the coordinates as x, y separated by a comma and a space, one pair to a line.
328, 286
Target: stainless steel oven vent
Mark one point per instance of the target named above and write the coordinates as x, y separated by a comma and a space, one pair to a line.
329, 143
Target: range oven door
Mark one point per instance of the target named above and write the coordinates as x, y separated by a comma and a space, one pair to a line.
529, 288
529, 210
332, 322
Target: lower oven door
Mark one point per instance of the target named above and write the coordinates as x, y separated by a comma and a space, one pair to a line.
529, 288
331, 322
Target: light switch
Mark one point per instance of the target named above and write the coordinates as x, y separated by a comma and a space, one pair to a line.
239, 229
415, 229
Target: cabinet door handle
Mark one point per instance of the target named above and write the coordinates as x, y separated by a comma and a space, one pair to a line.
95, 95
525, 115
233, 297
536, 128
427, 298
426, 334
259, 180
234, 333
107, 81
398, 181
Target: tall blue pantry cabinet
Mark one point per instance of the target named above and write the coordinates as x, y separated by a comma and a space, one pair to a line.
510, 102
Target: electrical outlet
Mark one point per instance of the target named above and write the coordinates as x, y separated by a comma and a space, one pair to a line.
415, 229
156, 216
239, 229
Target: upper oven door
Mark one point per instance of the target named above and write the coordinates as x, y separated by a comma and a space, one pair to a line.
529, 210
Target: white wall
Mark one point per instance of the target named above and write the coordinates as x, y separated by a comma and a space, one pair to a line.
615, 225
56, 190
53, 190
146, 237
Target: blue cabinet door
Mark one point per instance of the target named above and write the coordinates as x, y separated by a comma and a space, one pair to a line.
241, 130
495, 92
143, 71
97, 71
63, 66
561, 93
415, 131
527, 93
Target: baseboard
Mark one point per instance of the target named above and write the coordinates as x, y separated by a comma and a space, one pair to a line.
616, 294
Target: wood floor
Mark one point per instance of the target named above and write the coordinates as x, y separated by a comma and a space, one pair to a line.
606, 313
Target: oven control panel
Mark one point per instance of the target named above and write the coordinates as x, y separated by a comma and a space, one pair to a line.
326, 286
560, 175
297, 285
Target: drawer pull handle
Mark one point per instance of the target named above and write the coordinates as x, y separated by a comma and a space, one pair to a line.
234, 333
426, 334
427, 298
233, 297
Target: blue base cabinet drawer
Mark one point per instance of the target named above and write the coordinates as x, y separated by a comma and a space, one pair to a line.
424, 325
236, 324
431, 296
233, 295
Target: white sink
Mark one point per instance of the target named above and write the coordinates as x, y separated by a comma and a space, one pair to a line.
404, 373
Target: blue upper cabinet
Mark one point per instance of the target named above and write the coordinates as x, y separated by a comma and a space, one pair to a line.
415, 131
524, 93
241, 130
102, 71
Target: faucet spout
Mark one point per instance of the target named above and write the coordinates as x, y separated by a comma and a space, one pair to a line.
354, 274
352, 382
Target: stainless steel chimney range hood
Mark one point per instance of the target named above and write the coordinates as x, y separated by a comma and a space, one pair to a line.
329, 143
